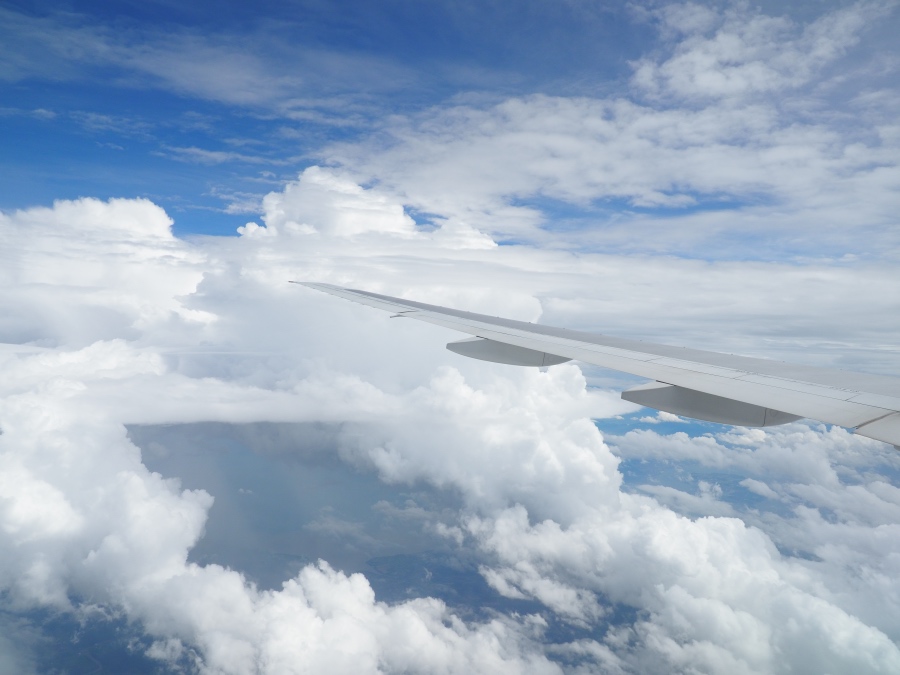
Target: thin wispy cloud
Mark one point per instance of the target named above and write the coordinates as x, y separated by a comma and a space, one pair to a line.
260, 69
205, 156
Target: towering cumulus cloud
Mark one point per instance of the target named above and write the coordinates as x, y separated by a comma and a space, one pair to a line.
578, 535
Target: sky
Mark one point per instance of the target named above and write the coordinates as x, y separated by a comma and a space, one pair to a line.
206, 469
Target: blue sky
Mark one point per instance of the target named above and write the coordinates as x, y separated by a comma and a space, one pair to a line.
116, 123
204, 109
206, 469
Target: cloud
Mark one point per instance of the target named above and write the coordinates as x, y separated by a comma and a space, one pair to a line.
716, 584
529, 446
493, 167
799, 160
817, 486
741, 52
660, 417
227, 67
706, 503
726, 166
82, 517
327, 203
114, 267
210, 330
733, 551
760, 488
116, 124
204, 156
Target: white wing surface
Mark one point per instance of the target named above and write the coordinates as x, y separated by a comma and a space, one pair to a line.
690, 382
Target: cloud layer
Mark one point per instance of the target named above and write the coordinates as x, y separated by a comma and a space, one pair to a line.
210, 330
722, 146
674, 548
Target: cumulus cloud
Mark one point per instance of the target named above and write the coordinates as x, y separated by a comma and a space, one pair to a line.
330, 204
660, 417
711, 581
741, 52
100, 525
113, 267
82, 517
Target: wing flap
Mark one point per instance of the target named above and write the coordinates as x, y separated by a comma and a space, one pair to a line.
702, 406
502, 352
885, 429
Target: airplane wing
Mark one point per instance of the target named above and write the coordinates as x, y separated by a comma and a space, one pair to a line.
704, 385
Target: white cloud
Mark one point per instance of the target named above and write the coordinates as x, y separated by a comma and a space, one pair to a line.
788, 176
741, 52
760, 488
155, 330
256, 68
660, 417
203, 156
81, 516
321, 201
625, 172
705, 503
718, 595
532, 438
113, 267
543, 504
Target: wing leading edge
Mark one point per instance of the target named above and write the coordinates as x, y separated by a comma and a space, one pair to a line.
689, 382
